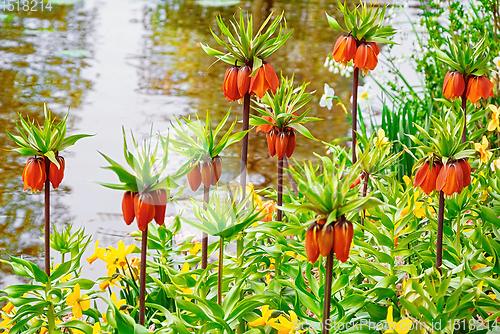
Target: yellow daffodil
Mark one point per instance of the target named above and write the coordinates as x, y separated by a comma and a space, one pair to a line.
116, 258
481, 148
407, 180
96, 329
286, 326
263, 320
99, 253
401, 327
109, 282
8, 308
495, 118
133, 269
195, 249
118, 303
79, 303
381, 140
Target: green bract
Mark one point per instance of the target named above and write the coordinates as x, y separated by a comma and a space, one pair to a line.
443, 141
203, 145
364, 24
224, 217
466, 58
326, 187
147, 168
43, 141
245, 48
284, 106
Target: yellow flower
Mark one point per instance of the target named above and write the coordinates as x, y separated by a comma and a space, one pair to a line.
109, 282
263, 320
96, 329
118, 303
495, 118
195, 249
407, 180
481, 148
401, 327
186, 291
8, 308
381, 140
99, 253
79, 303
286, 326
116, 258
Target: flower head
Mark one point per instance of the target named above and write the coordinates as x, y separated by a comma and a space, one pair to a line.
453, 177
401, 327
263, 320
99, 253
327, 97
34, 174
454, 85
479, 86
366, 95
381, 140
56, 173
481, 148
495, 118
366, 57
426, 176
285, 326
263, 80
79, 303
344, 49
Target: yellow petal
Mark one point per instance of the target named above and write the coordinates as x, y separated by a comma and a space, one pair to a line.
185, 268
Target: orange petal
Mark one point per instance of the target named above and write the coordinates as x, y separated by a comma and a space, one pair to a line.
258, 84
244, 80
194, 177
325, 240
338, 49
271, 77
311, 243
128, 207
343, 232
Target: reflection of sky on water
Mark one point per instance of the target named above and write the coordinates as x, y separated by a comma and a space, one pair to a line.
133, 64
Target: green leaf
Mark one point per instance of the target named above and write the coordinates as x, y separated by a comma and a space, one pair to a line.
333, 23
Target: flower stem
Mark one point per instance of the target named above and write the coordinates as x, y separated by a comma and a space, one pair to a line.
439, 247
204, 236
47, 217
280, 188
464, 111
50, 309
219, 278
365, 191
354, 115
142, 287
328, 293
244, 144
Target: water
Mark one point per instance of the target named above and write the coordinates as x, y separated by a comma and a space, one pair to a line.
135, 64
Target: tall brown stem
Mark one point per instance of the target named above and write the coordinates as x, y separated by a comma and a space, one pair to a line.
47, 217
221, 269
204, 236
365, 191
280, 188
439, 238
464, 111
142, 287
328, 293
354, 114
244, 143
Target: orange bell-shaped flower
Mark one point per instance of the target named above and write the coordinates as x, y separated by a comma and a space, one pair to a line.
290, 146
128, 207
271, 141
344, 49
144, 209
479, 86
451, 179
57, 174
342, 238
160, 201
466, 170
34, 175
230, 84
281, 144
366, 57
194, 176
217, 163
264, 79
311, 242
207, 171
244, 79
426, 176
325, 240
454, 85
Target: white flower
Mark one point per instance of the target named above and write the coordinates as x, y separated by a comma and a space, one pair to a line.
366, 95
327, 97
496, 62
495, 164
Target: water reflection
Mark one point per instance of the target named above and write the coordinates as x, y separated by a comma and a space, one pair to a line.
41, 56
49, 56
